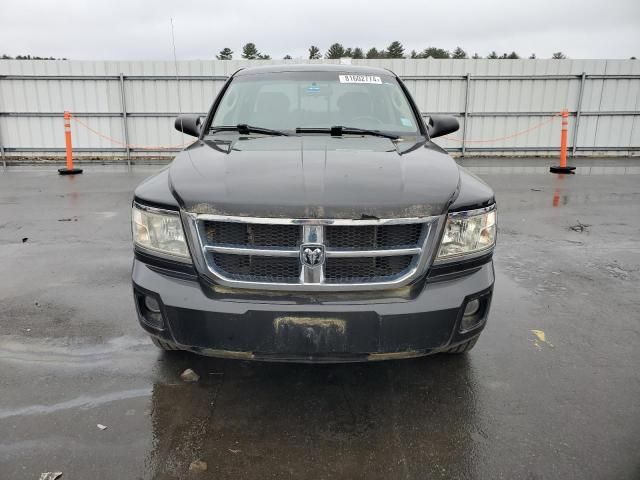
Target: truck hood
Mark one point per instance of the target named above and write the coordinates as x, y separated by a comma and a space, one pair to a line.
314, 177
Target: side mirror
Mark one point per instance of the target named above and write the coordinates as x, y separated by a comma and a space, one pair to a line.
189, 124
440, 125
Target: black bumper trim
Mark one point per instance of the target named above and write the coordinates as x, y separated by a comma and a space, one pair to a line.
440, 273
265, 334
167, 267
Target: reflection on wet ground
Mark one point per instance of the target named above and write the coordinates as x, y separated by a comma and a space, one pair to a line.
550, 391
382, 420
524, 170
365, 421
539, 166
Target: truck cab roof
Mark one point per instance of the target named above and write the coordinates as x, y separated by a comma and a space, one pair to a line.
314, 67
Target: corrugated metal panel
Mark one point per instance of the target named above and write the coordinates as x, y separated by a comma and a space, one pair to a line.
498, 106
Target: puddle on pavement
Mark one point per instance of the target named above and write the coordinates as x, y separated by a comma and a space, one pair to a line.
49, 349
255, 417
82, 402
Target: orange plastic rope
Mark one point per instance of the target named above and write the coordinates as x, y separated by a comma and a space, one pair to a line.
118, 142
522, 132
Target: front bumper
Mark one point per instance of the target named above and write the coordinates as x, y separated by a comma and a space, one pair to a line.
241, 324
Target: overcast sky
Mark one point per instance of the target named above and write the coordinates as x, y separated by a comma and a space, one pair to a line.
137, 29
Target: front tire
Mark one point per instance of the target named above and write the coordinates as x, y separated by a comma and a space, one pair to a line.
463, 347
162, 345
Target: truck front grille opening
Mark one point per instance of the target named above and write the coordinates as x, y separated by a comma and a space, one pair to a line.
253, 234
254, 268
252, 252
374, 237
365, 269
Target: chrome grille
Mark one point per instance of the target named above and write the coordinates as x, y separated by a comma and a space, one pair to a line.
309, 254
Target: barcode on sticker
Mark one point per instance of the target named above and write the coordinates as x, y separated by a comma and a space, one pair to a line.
359, 79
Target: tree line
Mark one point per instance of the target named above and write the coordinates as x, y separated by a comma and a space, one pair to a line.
337, 50
394, 50
4, 56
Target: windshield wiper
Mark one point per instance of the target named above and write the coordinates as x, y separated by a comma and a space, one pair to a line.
338, 130
245, 129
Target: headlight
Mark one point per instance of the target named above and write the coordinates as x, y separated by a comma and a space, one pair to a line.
468, 232
160, 231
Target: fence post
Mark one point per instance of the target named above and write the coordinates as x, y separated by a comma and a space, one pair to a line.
466, 113
4, 158
125, 127
2, 154
574, 146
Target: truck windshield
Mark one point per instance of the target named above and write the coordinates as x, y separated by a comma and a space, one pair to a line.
289, 100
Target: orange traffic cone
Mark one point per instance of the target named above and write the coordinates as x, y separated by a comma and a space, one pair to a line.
69, 169
563, 168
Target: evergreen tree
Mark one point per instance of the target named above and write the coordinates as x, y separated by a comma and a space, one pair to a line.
558, 56
434, 52
493, 55
395, 50
225, 54
29, 57
314, 53
513, 56
373, 53
250, 52
459, 53
335, 51
476, 56
287, 57
532, 56
264, 56
348, 52
357, 53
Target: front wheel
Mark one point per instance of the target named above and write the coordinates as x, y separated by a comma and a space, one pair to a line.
463, 347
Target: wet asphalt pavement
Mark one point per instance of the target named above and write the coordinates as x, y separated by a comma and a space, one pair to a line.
560, 402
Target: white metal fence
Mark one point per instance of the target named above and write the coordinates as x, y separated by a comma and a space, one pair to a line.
504, 106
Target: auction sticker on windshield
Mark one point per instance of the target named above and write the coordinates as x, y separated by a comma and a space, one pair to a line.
359, 79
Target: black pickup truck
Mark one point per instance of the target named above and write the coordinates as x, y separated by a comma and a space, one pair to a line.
314, 220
